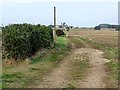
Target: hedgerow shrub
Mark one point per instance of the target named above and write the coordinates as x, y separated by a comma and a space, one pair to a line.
23, 40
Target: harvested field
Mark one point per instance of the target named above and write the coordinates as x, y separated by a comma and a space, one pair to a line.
106, 37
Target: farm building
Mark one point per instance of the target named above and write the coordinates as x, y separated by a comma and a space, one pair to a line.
106, 27
111, 29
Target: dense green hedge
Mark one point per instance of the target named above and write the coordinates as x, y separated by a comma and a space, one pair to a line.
23, 40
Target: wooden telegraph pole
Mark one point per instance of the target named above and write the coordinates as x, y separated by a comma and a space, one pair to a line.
54, 30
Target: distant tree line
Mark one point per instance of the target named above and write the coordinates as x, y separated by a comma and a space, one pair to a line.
117, 27
97, 28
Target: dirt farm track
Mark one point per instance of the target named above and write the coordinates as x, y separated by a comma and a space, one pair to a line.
91, 63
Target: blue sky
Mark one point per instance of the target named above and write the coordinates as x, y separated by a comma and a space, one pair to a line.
87, 13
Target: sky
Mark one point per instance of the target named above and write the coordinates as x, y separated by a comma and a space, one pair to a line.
119, 13
81, 13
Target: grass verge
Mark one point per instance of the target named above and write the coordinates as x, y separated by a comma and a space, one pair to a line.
29, 73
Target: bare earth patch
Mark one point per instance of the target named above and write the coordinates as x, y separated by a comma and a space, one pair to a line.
57, 78
96, 74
